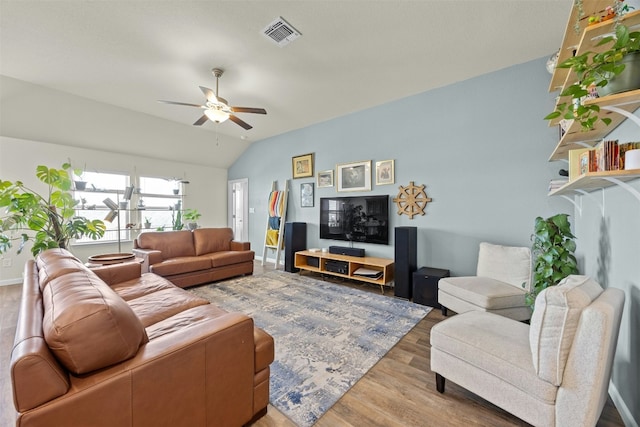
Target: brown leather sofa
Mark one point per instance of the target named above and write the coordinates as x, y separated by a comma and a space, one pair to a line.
189, 258
114, 347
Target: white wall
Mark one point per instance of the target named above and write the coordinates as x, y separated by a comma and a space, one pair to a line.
18, 160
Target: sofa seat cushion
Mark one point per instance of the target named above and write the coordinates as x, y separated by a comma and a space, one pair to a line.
495, 345
207, 240
170, 243
183, 320
220, 259
146, 284
494, 294
554, 323
157, 306
181, 265
87, 325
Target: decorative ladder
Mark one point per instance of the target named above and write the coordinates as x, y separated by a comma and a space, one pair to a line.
277, 210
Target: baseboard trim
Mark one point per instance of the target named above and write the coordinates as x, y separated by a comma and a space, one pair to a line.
621, 406
8, 282
269, 260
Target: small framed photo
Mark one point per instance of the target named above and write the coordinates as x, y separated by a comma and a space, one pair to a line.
385, 173
302, 166
354, 176
325, 179
306, 195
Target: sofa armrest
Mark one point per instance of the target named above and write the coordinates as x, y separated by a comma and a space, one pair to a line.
206, 368
118, 273
149, 257
240, 246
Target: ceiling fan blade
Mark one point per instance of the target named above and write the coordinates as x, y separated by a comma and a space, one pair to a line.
201, 120
248, 110
182, 103
240, 122
211, 97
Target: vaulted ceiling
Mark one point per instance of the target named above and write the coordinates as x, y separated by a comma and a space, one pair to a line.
352, 54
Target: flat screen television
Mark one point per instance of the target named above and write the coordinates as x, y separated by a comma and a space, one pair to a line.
355, 219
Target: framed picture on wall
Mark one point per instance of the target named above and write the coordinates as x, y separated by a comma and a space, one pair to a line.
302, 166
354, 176
306, 195
385, 173
325, 179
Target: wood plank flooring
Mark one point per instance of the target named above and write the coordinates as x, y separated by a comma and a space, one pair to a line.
398, 391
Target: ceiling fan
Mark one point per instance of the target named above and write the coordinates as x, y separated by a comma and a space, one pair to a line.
217, 109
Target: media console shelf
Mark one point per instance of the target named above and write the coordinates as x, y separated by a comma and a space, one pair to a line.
307, 260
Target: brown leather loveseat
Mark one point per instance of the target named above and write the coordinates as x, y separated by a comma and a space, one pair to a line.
114, 347
189, 258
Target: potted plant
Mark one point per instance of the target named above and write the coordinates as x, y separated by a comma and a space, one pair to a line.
147, 222
49, 220
193, 216
176, 219
79, 183
603, 71
553, 248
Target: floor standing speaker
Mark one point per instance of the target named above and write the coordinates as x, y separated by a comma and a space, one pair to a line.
406, 260
295, 239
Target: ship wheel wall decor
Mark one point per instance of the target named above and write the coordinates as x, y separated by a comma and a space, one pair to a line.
411, 200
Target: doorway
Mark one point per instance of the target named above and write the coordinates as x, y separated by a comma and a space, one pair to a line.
238, 215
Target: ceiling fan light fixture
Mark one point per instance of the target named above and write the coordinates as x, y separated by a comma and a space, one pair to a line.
215, 115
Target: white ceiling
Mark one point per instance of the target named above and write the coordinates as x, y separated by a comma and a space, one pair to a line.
352, 54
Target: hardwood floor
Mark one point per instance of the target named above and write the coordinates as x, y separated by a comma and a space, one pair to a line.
398, 391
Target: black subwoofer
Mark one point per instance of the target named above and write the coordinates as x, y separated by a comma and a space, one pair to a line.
295, 239
406, 260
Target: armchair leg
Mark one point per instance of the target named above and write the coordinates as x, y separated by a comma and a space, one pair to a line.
444, 311
440, 383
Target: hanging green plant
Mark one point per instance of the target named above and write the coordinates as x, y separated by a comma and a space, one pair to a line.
50, 220
595, 70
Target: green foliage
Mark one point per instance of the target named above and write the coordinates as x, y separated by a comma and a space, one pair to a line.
594, 69
49, 220
192, 215
176, 219
553, 249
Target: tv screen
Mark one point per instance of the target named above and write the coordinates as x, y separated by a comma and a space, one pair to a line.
356, 219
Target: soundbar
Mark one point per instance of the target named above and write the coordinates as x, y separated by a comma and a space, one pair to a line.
344, 250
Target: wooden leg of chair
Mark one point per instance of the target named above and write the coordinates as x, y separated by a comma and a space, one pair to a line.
444, 311
440, 383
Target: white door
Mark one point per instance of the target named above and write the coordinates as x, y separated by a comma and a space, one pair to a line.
239, 208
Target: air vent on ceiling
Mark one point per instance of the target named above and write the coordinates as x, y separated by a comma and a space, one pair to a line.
281, 32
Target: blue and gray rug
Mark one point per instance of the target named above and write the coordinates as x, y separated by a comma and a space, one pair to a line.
327, 336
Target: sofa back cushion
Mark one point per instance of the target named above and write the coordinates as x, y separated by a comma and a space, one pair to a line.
51, 267
554, 323
172, 244
87, 325
509, 264
208, 240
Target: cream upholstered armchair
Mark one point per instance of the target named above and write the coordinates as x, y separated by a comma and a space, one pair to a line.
502, 279
554, 372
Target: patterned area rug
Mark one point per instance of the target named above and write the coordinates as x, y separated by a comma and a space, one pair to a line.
327, 336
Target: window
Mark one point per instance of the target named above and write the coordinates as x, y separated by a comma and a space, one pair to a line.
158, 201
91, 205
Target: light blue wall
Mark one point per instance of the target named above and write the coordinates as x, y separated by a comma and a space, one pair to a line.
480, 147
608, 239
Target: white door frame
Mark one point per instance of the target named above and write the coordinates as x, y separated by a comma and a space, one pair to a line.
244, 183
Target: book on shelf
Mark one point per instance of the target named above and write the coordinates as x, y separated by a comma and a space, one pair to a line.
554, 184
608, 155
